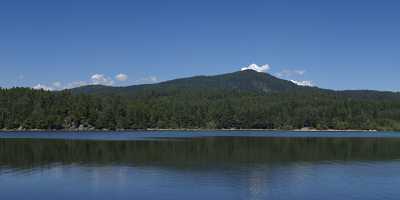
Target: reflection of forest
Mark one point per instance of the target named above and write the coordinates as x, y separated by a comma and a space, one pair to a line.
22, 153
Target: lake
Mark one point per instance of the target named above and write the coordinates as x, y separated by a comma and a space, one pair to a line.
200, 165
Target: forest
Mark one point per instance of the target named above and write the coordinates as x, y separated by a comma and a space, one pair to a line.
27, 109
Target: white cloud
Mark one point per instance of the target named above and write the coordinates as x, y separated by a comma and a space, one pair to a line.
97, 79
42, 87
303, 83
100, 79
288, 73
121, 77
258, 68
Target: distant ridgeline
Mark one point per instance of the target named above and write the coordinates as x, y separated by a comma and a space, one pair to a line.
240, 100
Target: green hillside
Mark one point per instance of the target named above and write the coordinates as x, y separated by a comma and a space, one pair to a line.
242, 81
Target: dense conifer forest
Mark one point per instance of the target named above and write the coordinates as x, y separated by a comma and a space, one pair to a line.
240, 100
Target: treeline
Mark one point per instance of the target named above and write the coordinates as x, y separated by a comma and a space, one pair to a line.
23, 108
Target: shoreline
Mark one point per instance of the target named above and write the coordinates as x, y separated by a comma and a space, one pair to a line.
183, 130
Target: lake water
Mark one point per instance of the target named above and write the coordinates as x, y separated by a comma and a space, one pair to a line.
200, 165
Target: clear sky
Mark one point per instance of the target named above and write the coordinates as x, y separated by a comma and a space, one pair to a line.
340, 44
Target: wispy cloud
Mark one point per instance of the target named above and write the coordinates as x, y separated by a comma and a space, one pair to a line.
287, 73
149, 79
42, 87
101, 79
121, 77
95, 79
291, 74
306, 83
57, 84
258, 68
75, 84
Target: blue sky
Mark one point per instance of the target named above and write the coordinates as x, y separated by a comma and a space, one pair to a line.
335, 44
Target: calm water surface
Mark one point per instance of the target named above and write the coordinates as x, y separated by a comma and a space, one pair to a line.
200, 165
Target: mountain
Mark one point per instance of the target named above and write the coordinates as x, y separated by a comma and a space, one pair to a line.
246, 81
241, 81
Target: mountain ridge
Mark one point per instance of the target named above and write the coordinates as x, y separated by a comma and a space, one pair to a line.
239, 81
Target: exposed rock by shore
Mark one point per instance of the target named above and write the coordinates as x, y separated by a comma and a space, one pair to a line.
90, 128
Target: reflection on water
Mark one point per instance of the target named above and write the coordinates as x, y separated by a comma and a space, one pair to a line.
30, 153
198, 168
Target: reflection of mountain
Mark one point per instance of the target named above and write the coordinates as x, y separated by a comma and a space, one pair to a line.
24, 153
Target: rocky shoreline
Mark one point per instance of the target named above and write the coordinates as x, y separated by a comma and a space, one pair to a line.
91, 129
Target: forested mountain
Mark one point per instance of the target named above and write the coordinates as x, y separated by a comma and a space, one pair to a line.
242, 81
239, 100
